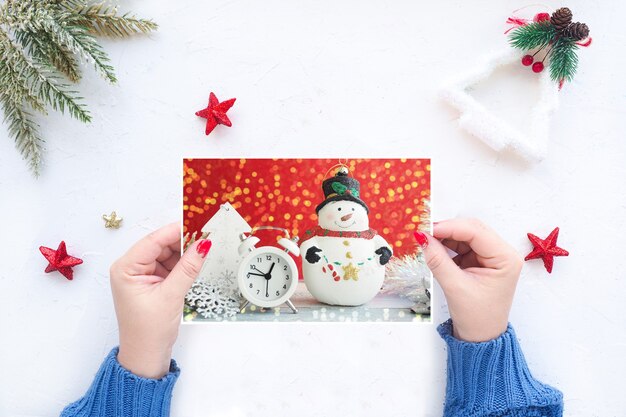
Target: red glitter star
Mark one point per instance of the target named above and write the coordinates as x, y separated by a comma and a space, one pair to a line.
59, 260
546, 249
215, 113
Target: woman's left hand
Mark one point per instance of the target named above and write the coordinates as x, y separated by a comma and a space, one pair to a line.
149, 285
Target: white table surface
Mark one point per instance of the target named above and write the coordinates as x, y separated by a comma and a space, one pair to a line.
324, 79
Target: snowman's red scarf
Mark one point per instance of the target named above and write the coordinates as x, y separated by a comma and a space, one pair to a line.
319, 231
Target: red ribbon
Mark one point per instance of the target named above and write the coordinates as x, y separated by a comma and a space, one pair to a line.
516, 22
519, 21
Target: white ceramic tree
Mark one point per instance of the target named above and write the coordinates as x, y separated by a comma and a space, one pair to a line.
221, 264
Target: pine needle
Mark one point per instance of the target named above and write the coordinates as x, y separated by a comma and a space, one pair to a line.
70, 4
533, 35
40, 78
563, 60
66, 30
103, 20
16, 89
41, 46
24, 132
42, 41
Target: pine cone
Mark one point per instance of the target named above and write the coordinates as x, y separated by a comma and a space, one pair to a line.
577, 31
561, 18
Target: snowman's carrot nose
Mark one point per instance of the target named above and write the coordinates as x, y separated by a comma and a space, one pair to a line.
346, 217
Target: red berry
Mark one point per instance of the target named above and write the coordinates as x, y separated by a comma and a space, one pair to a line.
540, 17
527, 60
538, 67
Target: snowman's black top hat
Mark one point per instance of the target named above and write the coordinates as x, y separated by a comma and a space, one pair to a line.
341, 187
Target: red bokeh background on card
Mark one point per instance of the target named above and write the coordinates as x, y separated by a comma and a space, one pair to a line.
285, 192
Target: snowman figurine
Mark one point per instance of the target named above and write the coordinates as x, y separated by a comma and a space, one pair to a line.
343, 258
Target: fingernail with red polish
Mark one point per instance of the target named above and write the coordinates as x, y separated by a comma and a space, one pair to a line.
203, 247
421, 239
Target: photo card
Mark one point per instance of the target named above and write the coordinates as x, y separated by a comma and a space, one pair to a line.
316, 240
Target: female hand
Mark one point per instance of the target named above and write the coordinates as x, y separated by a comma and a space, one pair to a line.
149, 284
479, 283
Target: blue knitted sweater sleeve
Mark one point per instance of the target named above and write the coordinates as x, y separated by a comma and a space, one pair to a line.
117, 392
492, 379
489, 379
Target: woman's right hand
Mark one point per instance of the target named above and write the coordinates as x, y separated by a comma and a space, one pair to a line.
479, 283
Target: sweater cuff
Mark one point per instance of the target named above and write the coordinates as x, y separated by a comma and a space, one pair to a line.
116, 391
492, 378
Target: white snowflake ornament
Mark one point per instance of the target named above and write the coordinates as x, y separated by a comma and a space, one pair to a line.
211, 301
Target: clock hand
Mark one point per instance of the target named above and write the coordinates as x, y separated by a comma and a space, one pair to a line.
255, 267
267, 284
252, 273
269, 273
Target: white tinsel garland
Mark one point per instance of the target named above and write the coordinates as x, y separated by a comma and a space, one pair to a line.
409, 277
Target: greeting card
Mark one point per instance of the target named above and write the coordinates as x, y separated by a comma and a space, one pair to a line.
308, 239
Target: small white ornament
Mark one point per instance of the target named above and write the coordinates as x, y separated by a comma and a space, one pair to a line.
223, 229
497, 133
216, 281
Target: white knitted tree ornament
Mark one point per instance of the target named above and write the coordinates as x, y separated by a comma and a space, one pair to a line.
497, 133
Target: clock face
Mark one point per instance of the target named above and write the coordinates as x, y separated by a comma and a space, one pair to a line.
267, 277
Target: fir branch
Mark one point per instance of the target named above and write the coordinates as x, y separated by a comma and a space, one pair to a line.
24, 132
41, 40
42, 47
563, 60
62, 26
17, 90
533, 35
103, 20
70, 4
67, 30
39, 77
